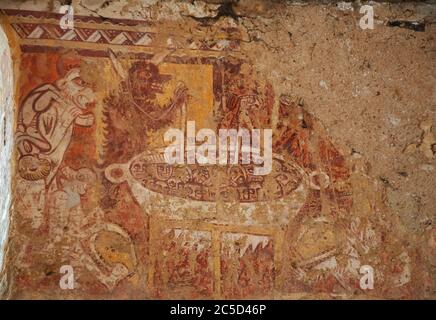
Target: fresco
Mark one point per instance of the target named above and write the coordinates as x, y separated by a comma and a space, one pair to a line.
92, 191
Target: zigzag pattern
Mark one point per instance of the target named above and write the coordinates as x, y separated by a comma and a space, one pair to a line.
115, 37
55, 32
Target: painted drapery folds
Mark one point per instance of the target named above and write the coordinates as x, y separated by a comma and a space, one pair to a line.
91, 190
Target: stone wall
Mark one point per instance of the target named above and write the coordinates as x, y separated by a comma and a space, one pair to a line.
6, 137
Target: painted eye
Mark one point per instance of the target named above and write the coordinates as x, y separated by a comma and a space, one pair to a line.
144, 75
79, 81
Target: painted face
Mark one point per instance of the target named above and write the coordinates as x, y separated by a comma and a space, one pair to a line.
82, 96
31, 168
85, 97
145, 81
75, 89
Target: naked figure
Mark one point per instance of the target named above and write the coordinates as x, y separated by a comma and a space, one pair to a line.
45, 126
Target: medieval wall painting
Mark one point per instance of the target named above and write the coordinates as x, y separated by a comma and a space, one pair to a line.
92, 189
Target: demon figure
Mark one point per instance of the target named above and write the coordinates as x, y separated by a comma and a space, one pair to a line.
138, 109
